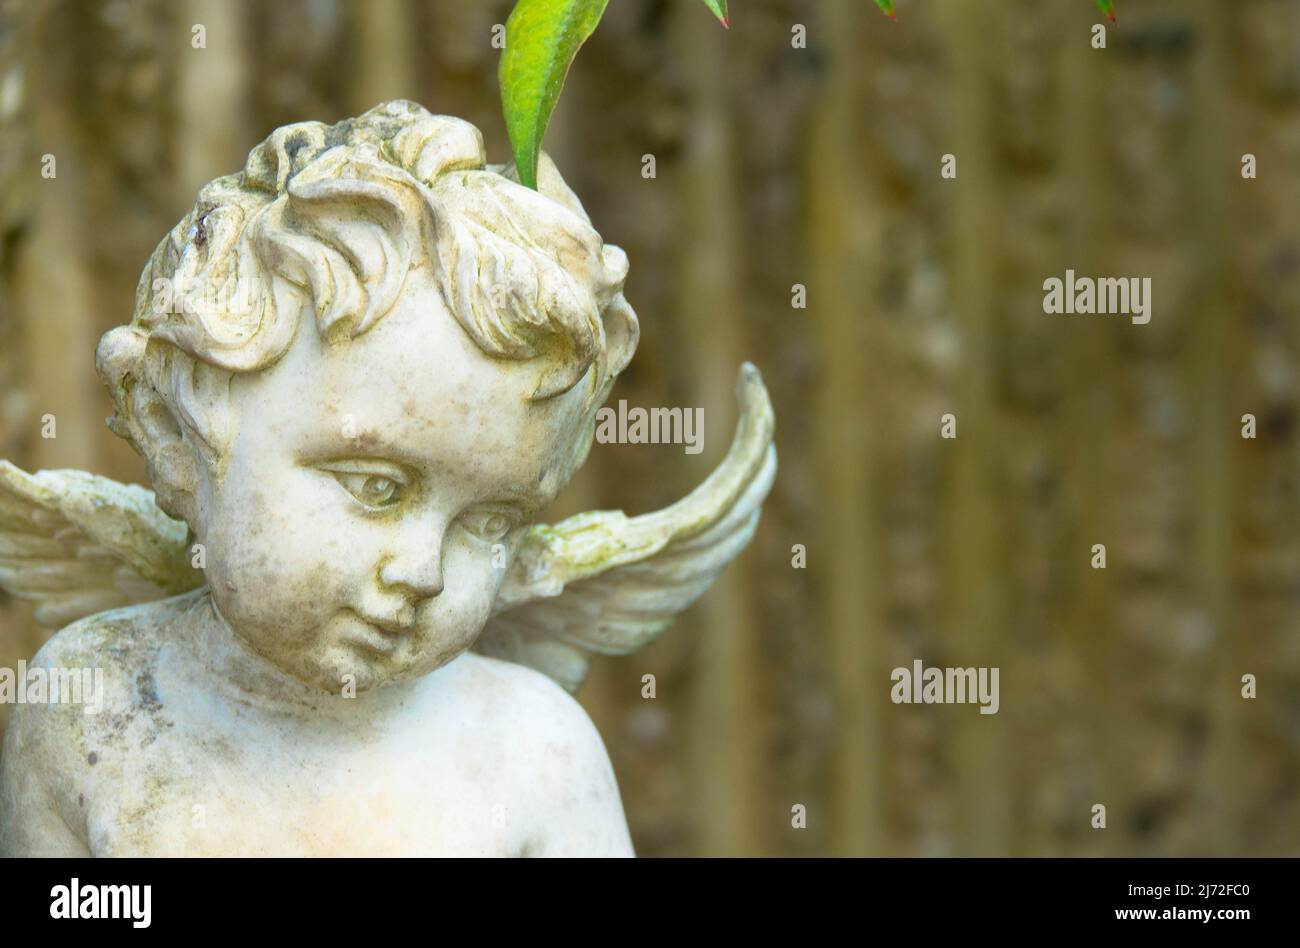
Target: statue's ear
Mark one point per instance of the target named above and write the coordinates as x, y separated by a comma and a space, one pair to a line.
622, 332
143, 417
172, 459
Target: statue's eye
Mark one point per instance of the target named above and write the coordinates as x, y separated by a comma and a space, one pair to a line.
377, 490
489, 525
371, 489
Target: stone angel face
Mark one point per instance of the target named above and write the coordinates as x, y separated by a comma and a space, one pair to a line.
357, 371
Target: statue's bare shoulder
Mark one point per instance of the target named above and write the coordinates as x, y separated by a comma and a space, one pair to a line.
54, 749
553, 756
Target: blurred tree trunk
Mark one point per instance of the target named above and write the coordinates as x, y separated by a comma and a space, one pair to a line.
382, 51
211, 97
845, 243
1090, 754
709, 317
19, 168
976, 612
1257, 746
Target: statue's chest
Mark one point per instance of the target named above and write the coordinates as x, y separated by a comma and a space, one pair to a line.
196, 798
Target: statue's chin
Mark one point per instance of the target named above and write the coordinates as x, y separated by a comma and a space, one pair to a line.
351, 671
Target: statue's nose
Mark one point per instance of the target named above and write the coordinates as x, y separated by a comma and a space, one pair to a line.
418, 572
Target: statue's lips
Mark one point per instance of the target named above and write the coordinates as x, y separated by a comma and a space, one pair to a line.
375, 634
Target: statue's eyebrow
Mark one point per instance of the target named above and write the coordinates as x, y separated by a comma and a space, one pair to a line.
368, 443
529, 500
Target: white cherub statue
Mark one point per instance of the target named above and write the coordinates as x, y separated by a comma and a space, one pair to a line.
356, 370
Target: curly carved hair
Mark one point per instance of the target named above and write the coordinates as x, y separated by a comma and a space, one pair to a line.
342, 212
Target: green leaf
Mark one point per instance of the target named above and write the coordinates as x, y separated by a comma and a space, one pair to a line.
719, 8
887, 7
1107, 7
542, 38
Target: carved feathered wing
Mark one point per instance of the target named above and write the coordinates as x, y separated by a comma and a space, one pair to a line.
79, 544
604, 583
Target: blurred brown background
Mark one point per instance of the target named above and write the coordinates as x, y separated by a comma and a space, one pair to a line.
820, 166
